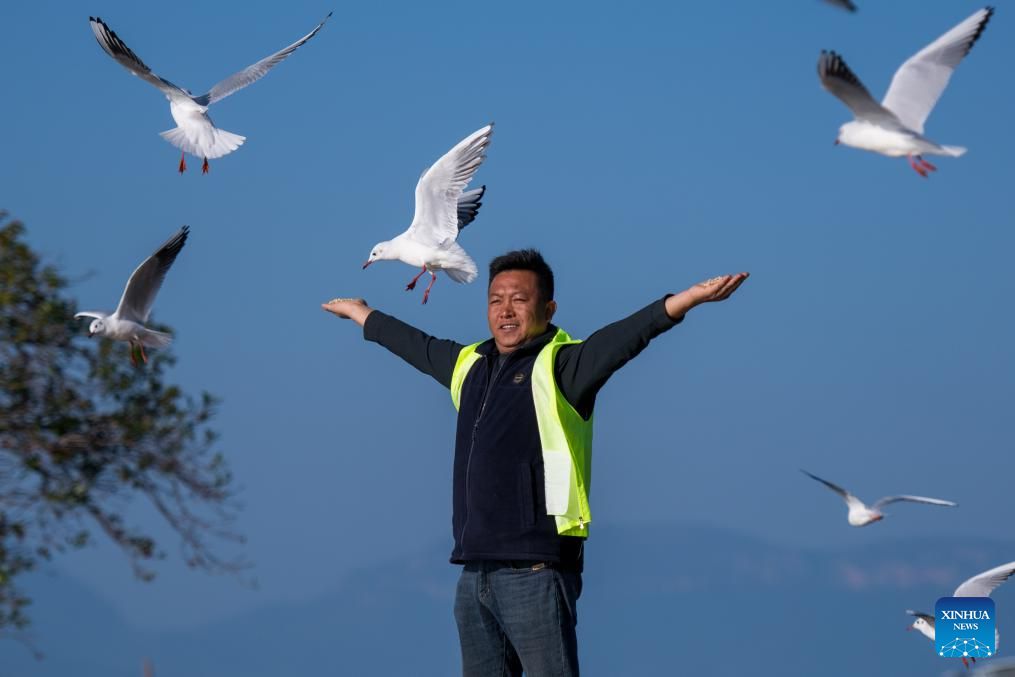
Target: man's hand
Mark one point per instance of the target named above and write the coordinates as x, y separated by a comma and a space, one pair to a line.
349, 309
715, 289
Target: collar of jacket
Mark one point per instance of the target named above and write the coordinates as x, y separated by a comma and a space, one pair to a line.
488, 348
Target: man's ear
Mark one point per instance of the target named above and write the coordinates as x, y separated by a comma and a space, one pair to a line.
551, 308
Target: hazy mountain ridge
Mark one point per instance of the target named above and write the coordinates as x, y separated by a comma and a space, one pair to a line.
657, 600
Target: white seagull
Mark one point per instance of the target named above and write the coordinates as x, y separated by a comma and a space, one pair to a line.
127, 322
894, 127
980, 585
860, 515
442, 210
196, 133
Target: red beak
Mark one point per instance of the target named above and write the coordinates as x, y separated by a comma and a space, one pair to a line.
366, 264
836, 143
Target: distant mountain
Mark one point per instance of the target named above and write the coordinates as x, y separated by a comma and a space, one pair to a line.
658, 600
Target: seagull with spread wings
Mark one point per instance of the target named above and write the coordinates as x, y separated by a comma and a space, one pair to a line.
127, 321
894, 127
860, 514
980, 585
442, 210
195, 132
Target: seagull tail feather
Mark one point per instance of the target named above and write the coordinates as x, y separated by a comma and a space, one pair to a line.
155, 339
221, 142
954, 151
464, 274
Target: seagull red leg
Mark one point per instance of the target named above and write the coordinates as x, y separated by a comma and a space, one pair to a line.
183, 162
433, 278
204, 167
925, 164
144, 358
412, 285
917, 168
133, 358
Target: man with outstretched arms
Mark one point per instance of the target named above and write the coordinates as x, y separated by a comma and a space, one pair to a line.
522, 469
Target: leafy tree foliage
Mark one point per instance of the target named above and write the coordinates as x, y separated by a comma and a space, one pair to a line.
84, 437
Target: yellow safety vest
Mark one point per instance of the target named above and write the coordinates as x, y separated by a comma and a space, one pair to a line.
566, 438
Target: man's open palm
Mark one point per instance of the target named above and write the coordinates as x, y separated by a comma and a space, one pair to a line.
349, 309
717, 288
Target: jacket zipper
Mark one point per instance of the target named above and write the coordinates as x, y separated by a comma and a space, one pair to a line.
497, 369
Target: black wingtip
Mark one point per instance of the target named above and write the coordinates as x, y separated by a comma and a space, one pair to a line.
823, 59
980, 28
176, 242
831, 63
180, 235
812, 476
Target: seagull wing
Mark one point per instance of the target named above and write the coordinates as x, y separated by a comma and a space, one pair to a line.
837, 78
90, 313
912, 499
846, 496
115, 47
920, 614
440, 188
468, 206
919, 82
845, 4
144, 283
981, 585
255, 72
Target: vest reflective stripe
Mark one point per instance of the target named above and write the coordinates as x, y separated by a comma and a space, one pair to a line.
466, 358
565, 437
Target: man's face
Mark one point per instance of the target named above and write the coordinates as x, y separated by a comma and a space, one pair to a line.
515, 311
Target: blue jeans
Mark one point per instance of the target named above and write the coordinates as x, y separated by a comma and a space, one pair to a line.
514, 617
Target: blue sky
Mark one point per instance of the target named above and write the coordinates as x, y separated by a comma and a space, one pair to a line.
642, 149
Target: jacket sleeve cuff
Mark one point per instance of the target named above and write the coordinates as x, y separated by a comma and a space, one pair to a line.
660, 318
373, 327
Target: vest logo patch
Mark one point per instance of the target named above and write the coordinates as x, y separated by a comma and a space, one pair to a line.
519, 377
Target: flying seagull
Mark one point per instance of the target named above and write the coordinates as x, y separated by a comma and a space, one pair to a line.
980, 585
442, 210
894, 127
196, 133
860, 515
127, 321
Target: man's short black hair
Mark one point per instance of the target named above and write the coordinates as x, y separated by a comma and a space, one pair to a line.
525, 259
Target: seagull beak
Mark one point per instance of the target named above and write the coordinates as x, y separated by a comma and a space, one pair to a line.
91, 334
836, 143
366, 264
